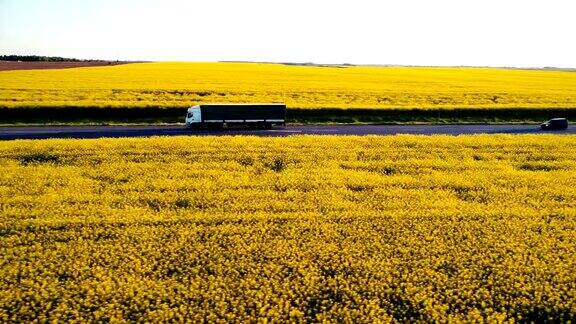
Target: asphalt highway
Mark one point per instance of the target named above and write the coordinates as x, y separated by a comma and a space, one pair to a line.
42, 132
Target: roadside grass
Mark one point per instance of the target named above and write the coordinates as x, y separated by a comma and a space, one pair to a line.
151, 115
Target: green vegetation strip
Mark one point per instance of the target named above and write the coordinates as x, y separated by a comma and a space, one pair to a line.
294, 115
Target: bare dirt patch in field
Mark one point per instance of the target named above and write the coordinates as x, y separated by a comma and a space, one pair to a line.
11, 65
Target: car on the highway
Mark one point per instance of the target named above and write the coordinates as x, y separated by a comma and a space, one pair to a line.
555, 124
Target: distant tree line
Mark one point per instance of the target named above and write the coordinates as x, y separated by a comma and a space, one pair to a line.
37, 58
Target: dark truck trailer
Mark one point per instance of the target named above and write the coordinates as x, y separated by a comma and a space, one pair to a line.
218, 115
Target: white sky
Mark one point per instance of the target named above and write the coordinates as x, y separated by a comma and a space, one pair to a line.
407, 32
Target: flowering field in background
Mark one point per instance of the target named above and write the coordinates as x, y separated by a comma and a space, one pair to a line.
184, 84
304, 228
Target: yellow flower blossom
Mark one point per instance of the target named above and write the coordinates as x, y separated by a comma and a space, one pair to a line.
180, 84
295, 229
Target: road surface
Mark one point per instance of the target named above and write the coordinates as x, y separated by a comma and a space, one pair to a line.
41, 132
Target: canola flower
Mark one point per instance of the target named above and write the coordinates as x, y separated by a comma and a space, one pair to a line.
180, 84
299, 229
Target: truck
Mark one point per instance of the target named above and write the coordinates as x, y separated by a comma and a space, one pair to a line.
260, 115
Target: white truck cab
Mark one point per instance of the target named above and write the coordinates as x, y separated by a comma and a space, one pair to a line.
193, 116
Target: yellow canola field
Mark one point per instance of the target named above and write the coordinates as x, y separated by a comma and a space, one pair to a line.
184, 84
296, 229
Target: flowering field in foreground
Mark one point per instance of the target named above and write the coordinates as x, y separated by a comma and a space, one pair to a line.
303, 228
184, 84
